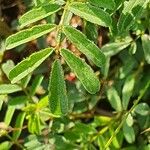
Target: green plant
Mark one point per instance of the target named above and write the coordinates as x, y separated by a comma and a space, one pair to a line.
57, 118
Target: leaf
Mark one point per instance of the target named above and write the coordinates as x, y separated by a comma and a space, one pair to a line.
84, 45
18, 102
34, 125
36, 83
146, 47
6, 145
9, 115
129, 120
142, 109
128, 133
58, 100
90, 13
18, 126
112, 49
114, 98
91, 34
6, 67
131, 11
28, 65
38, 13
127, 91
109, 4
133, 48
27, 35
82, 71
25, 81
9, 88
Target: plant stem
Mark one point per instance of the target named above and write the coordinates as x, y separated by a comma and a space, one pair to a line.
14, 142
64, 21
126, 115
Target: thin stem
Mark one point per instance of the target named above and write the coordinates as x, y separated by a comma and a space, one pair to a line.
14, 142
126, 115
61, 23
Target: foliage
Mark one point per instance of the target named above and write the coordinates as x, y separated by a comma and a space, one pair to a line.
96, 96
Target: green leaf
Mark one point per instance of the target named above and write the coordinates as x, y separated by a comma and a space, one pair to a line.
91, 34
142, 109
133, 48
146, 47
36, 83
9, 115
18, 102
58, 100
90, 13
27, 35
131, 11
25, 81
1, 101
112, 49
129, 120
128, 133
6, 67
127, 91
28, 65
38, 13
114, 98
82, 71
109, 4
18, 126
9, 88
84, 45
34, 125
6, 145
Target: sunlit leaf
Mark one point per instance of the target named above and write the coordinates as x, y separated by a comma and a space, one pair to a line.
9, 88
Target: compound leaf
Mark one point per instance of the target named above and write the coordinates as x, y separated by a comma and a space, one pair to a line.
82, 71
132, 10
28, 65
